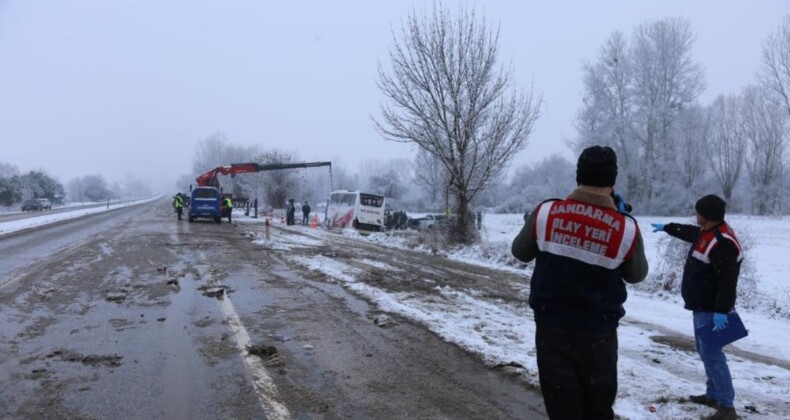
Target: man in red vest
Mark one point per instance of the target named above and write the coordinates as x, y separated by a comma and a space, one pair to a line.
709, 284
584, 246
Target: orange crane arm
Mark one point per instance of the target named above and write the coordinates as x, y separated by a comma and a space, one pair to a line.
209, 178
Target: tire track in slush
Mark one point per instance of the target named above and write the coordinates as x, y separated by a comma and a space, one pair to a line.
266, 390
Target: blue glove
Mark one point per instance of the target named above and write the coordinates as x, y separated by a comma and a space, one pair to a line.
619, 202
719, 321
657, 227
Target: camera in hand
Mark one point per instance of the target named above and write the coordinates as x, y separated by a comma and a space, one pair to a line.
620, 203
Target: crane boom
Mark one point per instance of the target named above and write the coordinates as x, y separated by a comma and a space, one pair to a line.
209, 178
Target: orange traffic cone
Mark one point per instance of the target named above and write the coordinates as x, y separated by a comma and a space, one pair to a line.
315, 222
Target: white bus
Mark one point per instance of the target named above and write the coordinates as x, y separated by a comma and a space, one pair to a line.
356, 210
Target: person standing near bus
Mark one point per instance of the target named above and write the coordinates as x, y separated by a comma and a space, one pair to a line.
305, 213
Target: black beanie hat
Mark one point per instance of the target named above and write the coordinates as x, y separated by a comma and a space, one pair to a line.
597, 167
711, 207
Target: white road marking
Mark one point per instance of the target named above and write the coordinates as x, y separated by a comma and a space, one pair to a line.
267, 392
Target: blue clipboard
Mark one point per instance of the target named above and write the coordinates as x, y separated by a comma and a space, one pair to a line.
735, 331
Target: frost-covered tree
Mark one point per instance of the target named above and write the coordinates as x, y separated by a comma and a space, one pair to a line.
38, 184
216, 150
552, 177
447, 94
776, 63
10, 190
277, 186
666, 81
725, 142
387, 178
635, 96
607, 117
132, 187
764, 125
8, 170
89, 188
433, 178
691, 131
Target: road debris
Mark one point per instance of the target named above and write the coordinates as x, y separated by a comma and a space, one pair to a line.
90, 360
116, 297
269, 354
383, 321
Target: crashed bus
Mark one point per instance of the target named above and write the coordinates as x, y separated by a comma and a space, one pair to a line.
354, 209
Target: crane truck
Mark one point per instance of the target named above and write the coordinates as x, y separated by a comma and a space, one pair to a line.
206, 198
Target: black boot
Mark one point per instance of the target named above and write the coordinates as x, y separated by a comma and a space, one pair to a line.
704, 400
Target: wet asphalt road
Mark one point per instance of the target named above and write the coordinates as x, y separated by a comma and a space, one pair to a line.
136, 315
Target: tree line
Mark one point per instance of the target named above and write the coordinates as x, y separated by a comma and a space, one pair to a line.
447, 93
16, 187
641, 96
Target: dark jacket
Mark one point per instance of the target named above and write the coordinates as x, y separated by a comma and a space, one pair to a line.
710, 276
306, 209
581, 258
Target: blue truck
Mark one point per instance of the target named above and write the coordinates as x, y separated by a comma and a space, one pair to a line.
205, 203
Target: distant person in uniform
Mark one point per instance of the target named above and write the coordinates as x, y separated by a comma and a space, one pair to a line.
585, 249
178, 204
479, 220
290, 213
305, 213
228, 205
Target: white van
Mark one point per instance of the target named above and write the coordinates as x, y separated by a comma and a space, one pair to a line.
356, 210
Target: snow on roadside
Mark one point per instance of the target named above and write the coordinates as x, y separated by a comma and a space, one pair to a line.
497, 332
651, 373
45, 219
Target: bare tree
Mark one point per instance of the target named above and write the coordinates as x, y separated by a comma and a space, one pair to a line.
210, 153
764, 124
432, 176
448, 96
776, 63
215, 150
691, 132
278, 186
725, 142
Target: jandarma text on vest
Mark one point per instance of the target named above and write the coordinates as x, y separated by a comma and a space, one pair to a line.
589, 211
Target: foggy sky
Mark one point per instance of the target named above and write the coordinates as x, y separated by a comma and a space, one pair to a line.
129, 87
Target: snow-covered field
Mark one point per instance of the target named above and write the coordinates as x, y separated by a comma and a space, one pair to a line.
656, 373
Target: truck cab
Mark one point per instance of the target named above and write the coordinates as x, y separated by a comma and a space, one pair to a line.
204, 202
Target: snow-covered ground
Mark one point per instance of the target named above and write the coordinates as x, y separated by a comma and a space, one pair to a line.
49, 218
656, 374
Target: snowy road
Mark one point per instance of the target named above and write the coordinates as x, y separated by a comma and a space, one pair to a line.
6, 217
145, 317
